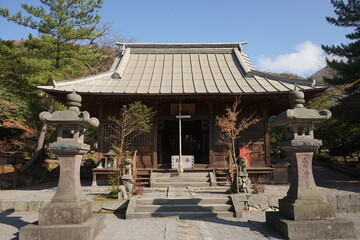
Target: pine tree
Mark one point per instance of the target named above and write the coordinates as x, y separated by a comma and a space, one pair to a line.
341, 134
60, 22
347, 69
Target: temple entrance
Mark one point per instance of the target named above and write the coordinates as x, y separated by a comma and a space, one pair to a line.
195, 140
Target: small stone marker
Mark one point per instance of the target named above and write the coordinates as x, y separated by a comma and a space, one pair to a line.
69, 215
303, 213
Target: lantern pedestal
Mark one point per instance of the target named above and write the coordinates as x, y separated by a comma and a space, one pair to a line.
303, 213
336, 228
69, 215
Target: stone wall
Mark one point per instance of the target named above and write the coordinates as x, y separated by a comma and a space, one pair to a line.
97, 206
343, 203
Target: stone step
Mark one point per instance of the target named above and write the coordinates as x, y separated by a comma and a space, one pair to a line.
181, 179
184, 175
180, 207
180, 184
224, 214
174, 201
184, 208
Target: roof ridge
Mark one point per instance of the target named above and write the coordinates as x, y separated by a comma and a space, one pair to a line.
83, 79
184, 45
277, 77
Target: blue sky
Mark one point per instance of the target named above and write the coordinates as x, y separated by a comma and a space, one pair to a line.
282, 35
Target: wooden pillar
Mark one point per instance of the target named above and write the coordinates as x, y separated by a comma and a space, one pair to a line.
211, 133
154, 147
266, 133
155, 136
101, 126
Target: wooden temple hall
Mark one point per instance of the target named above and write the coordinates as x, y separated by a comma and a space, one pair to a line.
203, 78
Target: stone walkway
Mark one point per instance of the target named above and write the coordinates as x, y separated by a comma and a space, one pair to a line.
250, 226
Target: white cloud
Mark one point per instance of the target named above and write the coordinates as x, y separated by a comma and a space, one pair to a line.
307, 59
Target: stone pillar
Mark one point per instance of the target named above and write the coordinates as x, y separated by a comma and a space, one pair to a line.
69, 215
303, 213
303, 200
69, 187
68, 205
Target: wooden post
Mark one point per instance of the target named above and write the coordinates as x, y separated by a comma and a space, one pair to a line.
180, 168
100, 147
15, 176
134, 163
155, 142
211, 134
266, 135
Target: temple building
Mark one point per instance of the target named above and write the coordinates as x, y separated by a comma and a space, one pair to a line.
203, 78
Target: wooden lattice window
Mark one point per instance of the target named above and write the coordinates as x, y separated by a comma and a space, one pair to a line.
110, 132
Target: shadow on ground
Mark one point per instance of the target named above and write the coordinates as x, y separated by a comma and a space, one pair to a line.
328, 178
253, 226
13, 221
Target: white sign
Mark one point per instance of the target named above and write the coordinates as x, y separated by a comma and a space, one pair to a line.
188, 161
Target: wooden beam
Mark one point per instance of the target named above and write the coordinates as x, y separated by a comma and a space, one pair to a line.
154, 146
211, 134
100, 129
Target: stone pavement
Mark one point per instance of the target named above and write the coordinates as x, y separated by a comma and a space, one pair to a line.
250, 226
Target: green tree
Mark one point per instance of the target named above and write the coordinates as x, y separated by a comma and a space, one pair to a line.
25, 64
14, 90
133, 120
348, 68
60, 22
341, 133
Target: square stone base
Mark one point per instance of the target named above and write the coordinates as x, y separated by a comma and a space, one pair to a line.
336, 228
86, 231
298, 210
65, 213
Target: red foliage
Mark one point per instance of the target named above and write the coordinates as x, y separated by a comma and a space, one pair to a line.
138, 187
11, 123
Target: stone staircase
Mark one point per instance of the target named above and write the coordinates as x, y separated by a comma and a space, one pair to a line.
180, 207
222, 176
186, 179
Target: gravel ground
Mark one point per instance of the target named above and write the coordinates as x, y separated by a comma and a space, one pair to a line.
250, 227
45, 192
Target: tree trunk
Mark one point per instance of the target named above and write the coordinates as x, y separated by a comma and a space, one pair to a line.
57, 57
236, 167
234, 177
40, 145
38, 152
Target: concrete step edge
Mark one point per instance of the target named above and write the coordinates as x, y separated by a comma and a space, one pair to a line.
162, 180
191, 206
170, 201
181, 184
182, 208
183, 214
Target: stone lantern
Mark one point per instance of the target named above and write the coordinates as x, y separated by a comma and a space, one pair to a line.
68, 214
303, 213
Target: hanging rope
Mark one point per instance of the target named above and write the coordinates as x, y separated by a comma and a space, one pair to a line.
333, 93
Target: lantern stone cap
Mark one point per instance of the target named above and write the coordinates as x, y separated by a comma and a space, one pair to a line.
73, 100
70, 116
298, 113
110, 153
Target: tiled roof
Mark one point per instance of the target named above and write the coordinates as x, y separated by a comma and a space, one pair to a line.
163, 69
